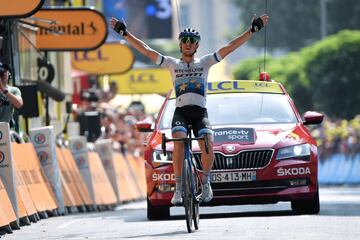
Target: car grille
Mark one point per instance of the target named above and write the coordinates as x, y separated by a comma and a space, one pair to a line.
249, 159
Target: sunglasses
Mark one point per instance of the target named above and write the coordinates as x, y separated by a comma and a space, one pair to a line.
188, 39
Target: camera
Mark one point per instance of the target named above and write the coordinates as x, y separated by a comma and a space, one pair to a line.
4, 101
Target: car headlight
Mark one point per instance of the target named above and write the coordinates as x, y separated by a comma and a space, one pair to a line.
298, 151
159, 158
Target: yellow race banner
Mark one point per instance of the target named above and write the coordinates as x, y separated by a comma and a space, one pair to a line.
143, 81
111, 58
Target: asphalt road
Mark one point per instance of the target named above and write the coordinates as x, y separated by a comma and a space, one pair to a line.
339, 219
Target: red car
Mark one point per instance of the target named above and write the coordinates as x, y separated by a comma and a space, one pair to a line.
263, 151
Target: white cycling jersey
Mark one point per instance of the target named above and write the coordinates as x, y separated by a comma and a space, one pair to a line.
189, 80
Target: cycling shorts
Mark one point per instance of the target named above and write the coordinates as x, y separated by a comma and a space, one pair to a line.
193, 115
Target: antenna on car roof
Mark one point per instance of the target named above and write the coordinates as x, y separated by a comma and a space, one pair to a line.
178, 14
266, 6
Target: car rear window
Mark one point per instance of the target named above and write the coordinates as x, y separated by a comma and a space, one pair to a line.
241, 108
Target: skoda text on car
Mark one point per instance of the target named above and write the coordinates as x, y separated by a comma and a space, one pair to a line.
263, 151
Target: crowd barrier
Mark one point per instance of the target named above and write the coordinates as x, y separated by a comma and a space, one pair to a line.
339, 169
7, 214
39, 179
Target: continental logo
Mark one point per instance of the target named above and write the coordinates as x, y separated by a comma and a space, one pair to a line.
72, 29
82, 28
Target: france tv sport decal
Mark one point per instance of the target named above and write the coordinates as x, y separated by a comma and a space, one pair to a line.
238, 135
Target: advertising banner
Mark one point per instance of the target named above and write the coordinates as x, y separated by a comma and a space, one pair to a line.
79, 150
19, 8
112, 58
104, 148
74, 29
43, 139
143, 81
6, 165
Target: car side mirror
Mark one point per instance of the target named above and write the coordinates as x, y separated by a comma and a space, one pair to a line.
311, 117
144, 125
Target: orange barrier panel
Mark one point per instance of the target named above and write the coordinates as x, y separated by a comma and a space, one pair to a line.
68, 198
23, 212
103, 191
137, 164
126, 182
77, 177
24, 184
7, 214
72, 195
3, 220
35, 170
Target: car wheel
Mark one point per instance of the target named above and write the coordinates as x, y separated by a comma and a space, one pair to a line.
157, 213
307, 206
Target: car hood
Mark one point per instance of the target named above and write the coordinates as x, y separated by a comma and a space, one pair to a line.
265, 136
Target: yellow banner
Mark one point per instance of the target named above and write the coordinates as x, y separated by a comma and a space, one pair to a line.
19, 8
111, 58
75, 29
244, 86
143, 81
241, 86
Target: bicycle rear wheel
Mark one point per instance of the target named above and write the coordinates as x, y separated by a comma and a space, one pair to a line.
187, 198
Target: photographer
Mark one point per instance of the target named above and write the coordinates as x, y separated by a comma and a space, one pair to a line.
10, 97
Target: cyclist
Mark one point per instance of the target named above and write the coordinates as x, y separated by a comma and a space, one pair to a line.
189, 75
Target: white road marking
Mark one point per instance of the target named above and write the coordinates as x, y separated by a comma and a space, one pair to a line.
69, 223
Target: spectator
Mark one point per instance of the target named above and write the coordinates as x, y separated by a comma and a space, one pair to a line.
10, 97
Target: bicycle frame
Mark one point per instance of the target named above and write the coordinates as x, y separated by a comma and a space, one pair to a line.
189, 161
191, 203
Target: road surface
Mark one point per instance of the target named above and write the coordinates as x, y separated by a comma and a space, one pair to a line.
339, 219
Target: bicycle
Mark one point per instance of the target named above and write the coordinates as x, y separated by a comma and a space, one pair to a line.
190, 180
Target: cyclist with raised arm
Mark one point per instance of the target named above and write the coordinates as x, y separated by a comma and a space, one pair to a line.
189, 75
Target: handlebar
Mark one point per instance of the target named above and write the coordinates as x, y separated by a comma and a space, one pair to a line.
164, 140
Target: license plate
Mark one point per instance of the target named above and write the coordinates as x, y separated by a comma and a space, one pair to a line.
221, 177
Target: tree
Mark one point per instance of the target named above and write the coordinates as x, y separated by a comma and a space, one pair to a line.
294, 24
323, 77
333, 71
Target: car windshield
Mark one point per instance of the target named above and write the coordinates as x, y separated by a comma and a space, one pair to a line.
241, 108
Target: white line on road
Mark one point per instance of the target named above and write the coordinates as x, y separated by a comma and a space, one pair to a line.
69, 223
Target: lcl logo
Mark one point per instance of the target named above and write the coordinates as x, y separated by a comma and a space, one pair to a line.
230, 148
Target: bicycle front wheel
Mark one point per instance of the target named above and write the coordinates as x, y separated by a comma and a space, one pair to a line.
187, 198
196, 214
